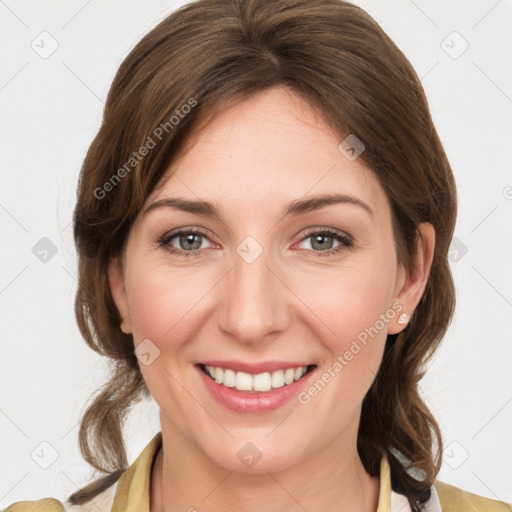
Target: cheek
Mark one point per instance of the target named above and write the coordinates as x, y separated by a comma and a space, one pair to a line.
165, 305
350, 300
356, 312
352, 307
164, 302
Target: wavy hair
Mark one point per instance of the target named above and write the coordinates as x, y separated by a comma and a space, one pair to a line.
208, 55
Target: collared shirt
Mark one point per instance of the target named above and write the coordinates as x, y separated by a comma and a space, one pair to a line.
132, 491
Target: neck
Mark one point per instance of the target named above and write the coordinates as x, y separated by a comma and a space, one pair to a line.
182, 481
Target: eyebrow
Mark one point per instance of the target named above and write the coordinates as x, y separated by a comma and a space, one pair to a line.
294, 208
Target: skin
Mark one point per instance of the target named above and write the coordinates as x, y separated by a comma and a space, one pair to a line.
289, 305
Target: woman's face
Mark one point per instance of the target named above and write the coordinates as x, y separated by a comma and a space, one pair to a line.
263, 288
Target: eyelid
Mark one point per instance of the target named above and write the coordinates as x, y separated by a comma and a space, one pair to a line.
346, 240
167, 236
332, 231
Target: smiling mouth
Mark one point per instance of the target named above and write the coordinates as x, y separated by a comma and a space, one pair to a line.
258, 383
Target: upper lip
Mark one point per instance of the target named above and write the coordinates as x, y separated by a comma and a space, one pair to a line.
254, 368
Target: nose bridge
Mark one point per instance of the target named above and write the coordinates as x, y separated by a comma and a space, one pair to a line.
253, 304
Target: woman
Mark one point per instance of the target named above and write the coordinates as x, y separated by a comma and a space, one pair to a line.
290, 144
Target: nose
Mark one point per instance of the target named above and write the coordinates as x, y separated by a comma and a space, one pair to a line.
255, 303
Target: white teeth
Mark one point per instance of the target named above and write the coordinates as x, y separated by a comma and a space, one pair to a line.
260, 382
243, 381
278, 379
229, 378
289, 376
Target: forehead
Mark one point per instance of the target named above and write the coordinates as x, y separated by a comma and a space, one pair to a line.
267, 150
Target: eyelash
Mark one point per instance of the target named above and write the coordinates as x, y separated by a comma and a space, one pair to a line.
346, 241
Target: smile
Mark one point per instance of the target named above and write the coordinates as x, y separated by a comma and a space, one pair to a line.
255, 383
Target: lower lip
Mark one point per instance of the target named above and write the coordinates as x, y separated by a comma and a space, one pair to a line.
253, 402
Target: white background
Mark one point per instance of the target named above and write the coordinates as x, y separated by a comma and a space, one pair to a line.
51, 109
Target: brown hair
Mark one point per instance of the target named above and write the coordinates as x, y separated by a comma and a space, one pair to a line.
208, 55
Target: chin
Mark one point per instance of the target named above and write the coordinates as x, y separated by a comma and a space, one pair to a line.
251, 460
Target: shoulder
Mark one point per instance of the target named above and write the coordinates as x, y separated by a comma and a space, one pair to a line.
42, 505
453, 499
101, 503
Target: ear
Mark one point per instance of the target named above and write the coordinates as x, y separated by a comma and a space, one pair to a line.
118, 290
410, 284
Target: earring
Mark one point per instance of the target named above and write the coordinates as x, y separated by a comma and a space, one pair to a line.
402, 319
